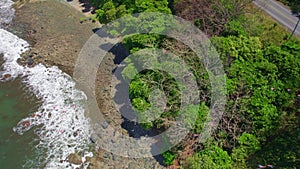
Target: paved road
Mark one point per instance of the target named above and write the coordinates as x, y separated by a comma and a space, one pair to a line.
280, 13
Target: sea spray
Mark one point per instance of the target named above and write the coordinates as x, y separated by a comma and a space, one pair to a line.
59, 122
12, 47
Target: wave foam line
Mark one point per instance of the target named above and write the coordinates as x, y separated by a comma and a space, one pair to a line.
61, 124
11, 47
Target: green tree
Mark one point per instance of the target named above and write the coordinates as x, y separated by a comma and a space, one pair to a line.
211, 16
109, 10
248, 145
211, 157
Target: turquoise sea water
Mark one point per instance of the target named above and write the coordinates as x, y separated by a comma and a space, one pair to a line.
15, 104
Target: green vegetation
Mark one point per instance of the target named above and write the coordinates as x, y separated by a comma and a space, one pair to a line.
141, 87
293, 4
261, 122
109, 10
210, 157
169, 157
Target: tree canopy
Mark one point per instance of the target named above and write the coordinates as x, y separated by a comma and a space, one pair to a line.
260, 124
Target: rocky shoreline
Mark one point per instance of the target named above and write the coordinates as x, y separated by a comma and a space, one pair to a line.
56, 34
53, 30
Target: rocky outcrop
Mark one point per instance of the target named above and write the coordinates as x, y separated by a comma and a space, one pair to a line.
96, 163
74, 159
30, 59
54, 32
58, 37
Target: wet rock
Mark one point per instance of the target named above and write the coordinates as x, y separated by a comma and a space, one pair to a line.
29, 58
74, 159
93, 138
30, 55
26, 123
104, 124
30, 61
33, 31
6, 76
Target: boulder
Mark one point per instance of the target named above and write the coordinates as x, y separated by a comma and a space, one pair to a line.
6, 76
30, 61
74, 159
96, 164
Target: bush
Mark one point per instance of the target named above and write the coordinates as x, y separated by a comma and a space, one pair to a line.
169, 157
212, 157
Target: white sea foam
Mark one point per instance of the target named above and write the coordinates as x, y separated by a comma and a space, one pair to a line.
6, 12
64, 128
11, 47
61, 124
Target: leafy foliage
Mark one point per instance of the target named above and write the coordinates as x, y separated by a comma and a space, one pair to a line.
261, 121
211, 157
109, 10
260, 93
209, 15
139, 91
248, 144
169, 157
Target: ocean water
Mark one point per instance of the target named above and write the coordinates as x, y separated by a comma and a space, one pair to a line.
41, 111
15, 104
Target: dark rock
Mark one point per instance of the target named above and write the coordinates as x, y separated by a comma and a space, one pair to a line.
39, 57
30, 61
30, 55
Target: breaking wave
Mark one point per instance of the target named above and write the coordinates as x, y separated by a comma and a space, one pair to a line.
59, 122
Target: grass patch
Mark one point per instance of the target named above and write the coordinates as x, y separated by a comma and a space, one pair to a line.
260, 24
